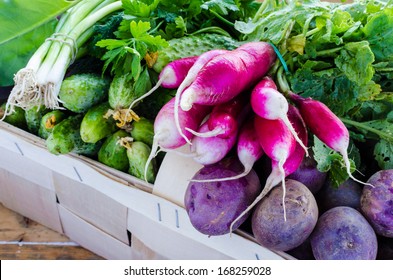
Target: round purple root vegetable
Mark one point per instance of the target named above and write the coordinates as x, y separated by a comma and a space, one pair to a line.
213, 206
377, 202
309, 175
342, 233
346, 194
270, 228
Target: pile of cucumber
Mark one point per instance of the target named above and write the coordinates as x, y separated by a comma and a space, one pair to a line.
86, 127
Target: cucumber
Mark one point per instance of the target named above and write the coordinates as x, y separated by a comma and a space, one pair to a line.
142, 130
80, 92
65, 138
112, 153
16, 118
48, 122
138, 154
123, 91
192, 45
62, 138
96, 125
33, 118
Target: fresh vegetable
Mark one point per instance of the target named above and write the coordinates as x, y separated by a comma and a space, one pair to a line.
123, 92
248, 151
48, 122
65, 138
166, 136
95, 125
270, 104
142, 130
308, 174
286, 161
377, 202
171, 76
33, 118
347, 194
192, 45
80, 92
342, 233
339, 54
325, 125
112, 153
237, 71
140, 165
272, 231
209, 150
212, 206
39, 82
191, 75
223, 120
16, 118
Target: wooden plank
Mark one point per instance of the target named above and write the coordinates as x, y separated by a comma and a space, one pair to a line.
44, 251
22, 238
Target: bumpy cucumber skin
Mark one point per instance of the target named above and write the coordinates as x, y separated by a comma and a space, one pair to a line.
16, 118
112, 153
62, 138
33, 118
80, 92
137, 154
122, 91
95, 126
143, 130
191, 46
54, 117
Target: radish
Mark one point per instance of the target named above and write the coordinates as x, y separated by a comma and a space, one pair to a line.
267, 102
281, 168
209, 150
171, 76
229, 74
325, 125
189, 78
222, 120
248, 151
166, 136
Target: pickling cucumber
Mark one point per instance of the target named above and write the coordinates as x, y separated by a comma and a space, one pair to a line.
16, 118
33, 118
96, 125
112, 153
48, 122
142, 130
138, 154
192, 45
80, 92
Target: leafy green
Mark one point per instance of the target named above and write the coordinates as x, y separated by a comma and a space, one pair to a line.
131, 46
340, 54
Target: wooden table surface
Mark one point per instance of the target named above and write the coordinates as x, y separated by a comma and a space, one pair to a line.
24, 239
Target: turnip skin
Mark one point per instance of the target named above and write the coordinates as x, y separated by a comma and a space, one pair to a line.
377, 202
309, 175
212, 206
346, 194
268, 224
342, 233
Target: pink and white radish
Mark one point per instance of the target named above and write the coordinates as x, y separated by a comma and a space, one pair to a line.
209, 150
166, 136
267, 102
282, 169
188, 79
222, 121
171, 76
248, 151
229, 74
325, 125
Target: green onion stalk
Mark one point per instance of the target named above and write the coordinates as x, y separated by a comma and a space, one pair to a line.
39, 82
